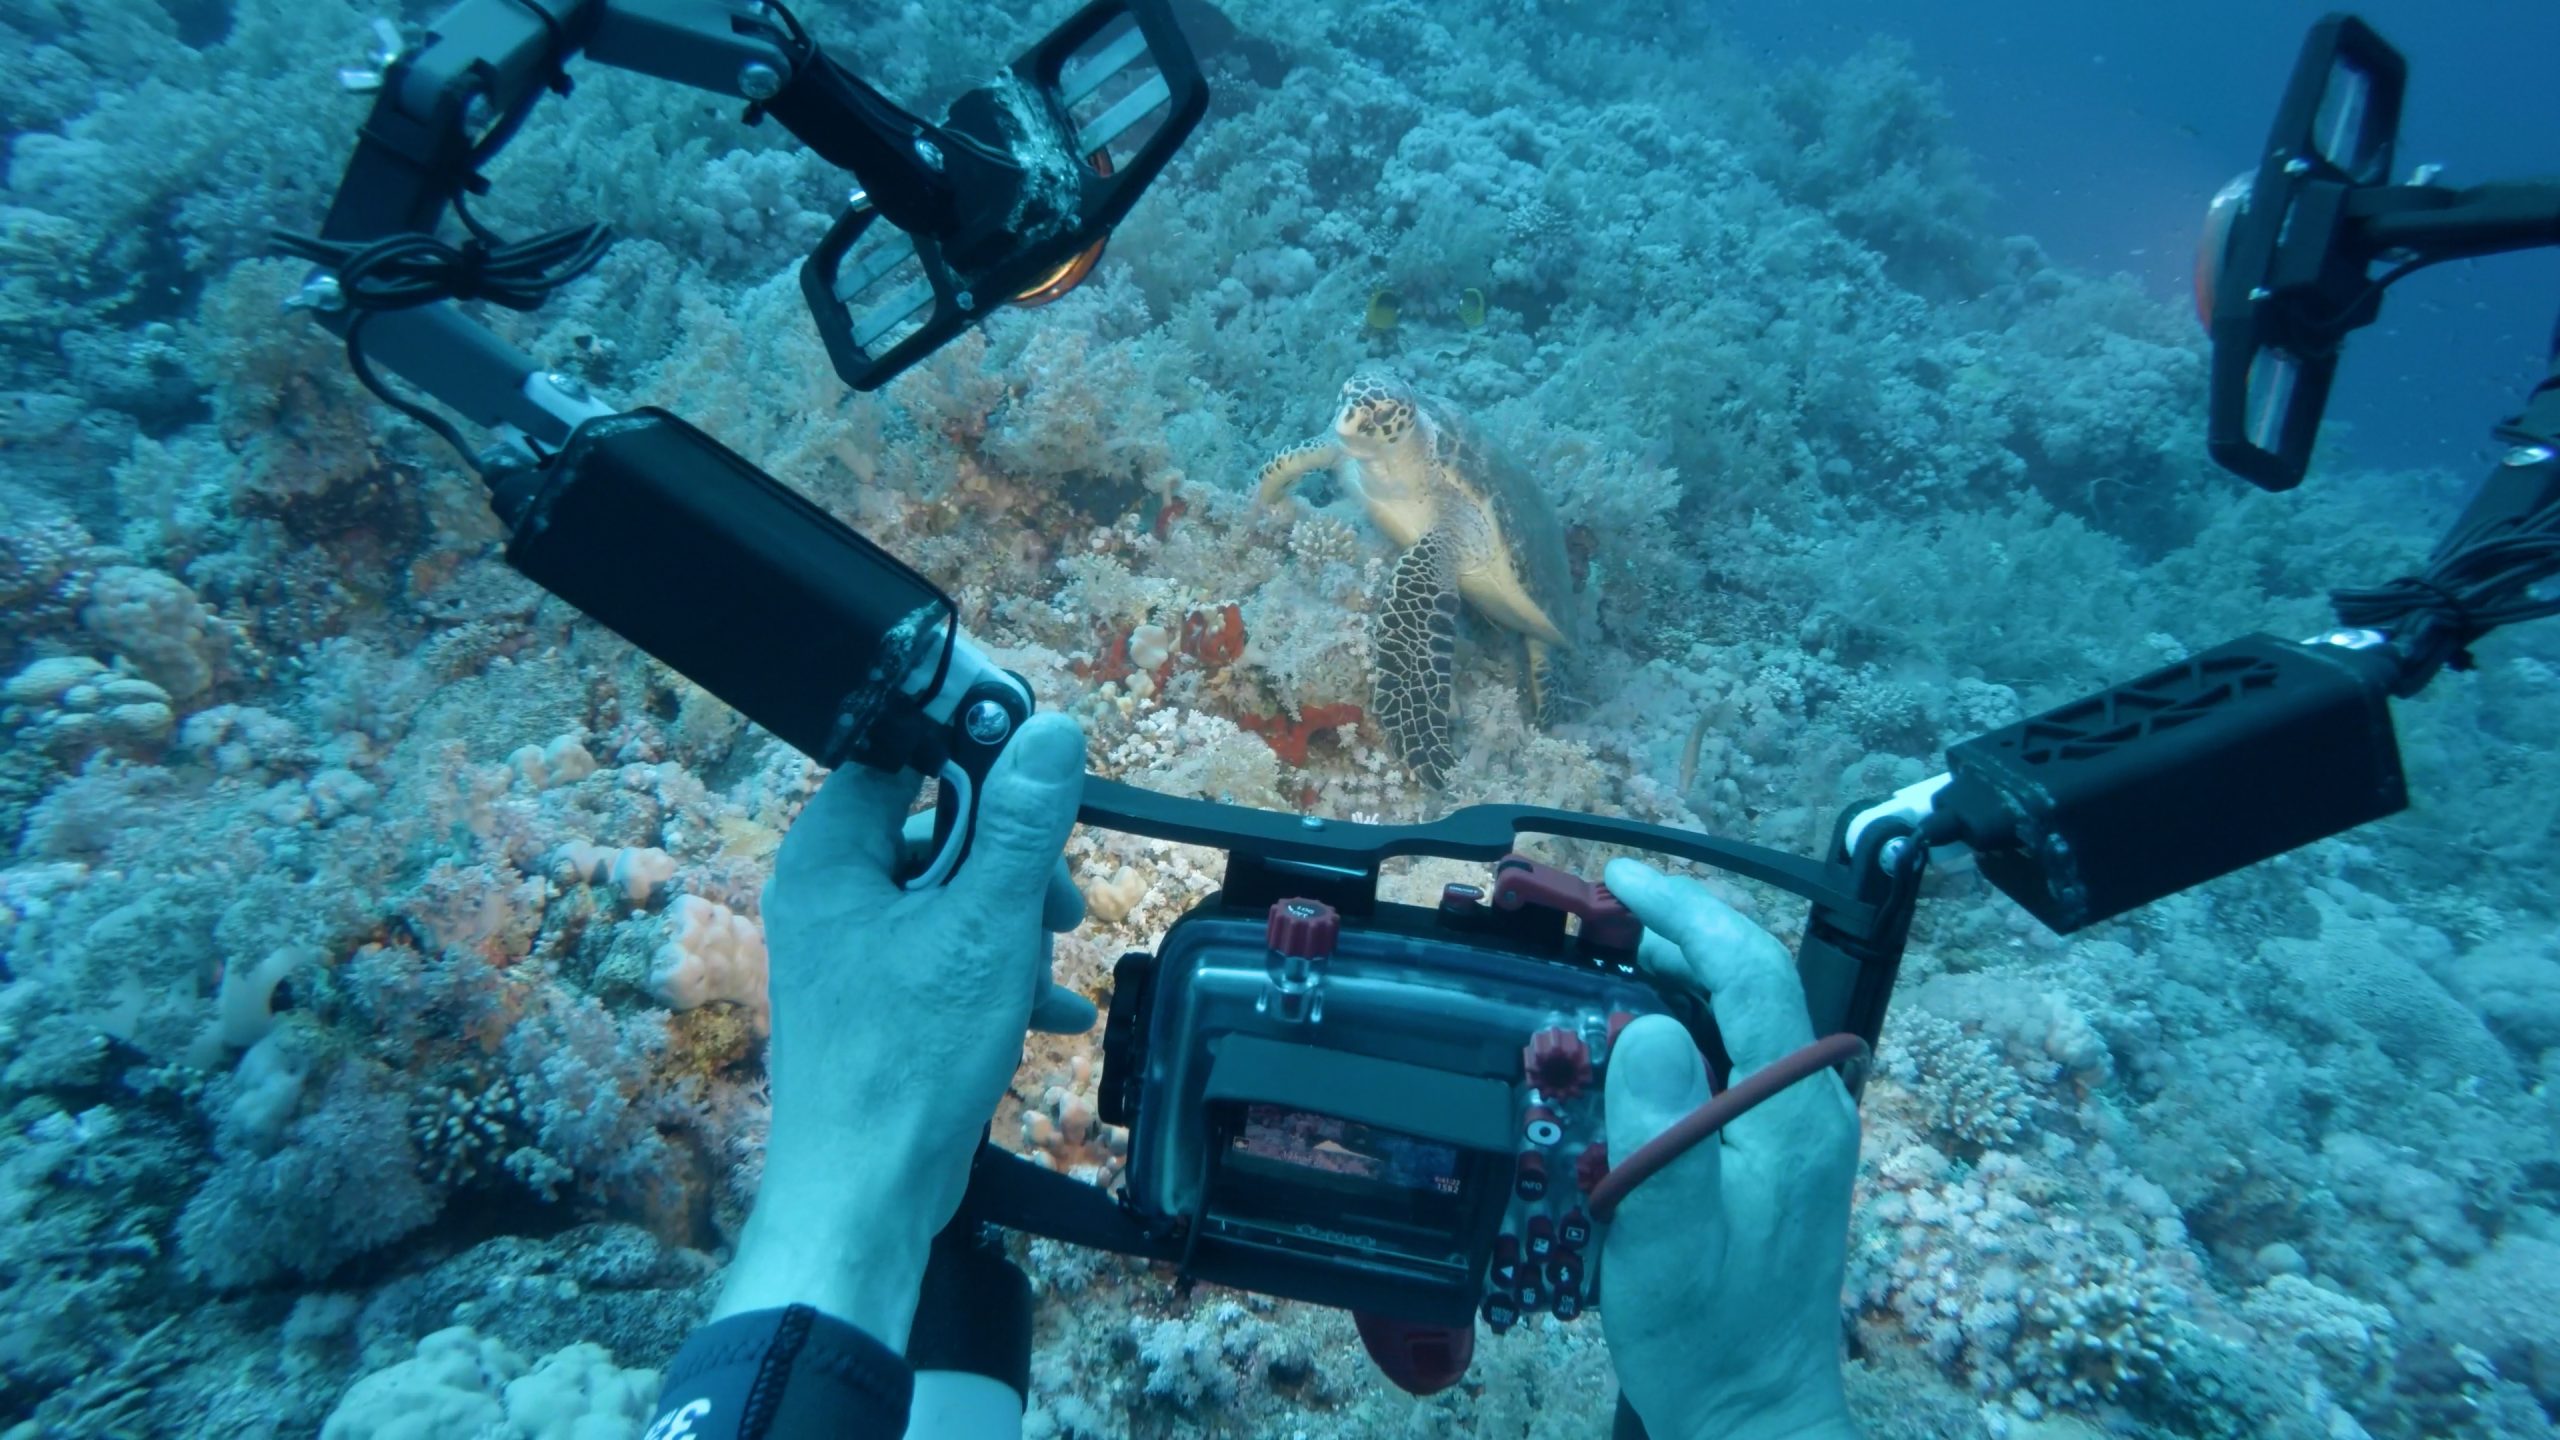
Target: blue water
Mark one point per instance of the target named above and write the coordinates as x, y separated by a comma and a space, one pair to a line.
2105, 128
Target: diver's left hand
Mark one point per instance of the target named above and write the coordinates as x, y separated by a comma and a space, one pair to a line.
898, 1018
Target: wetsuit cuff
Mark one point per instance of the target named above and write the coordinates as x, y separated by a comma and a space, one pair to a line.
787, 1372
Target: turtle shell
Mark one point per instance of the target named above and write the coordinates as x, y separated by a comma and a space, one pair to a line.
1475, 475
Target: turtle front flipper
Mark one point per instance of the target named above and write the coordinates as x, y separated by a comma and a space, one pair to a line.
1542, 679
1416, 661
1290, 466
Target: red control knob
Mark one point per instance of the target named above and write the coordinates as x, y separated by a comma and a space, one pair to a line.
1591, 1166
1559, 1064
1306, 929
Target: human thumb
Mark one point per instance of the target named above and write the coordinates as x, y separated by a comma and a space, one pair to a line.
1656, 1076
1024, 814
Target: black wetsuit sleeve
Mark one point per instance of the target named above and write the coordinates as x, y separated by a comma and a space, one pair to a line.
789, 1374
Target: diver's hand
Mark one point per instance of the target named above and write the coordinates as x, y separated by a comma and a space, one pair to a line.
897, 1022
1720, 1276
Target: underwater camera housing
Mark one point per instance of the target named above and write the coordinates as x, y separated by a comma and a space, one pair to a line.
1398, 1114
1396, 1109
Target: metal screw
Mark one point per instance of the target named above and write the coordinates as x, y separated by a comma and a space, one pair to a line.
759, 81
965, 300
2261, 292
2297, 166
568, 385
857, 199
1892, 852
2524, 455
929, 153
2353, 639
1311, 822
988, 722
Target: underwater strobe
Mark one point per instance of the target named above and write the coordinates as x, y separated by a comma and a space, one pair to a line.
2287, 267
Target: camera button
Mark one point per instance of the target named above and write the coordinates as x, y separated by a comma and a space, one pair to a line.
1566, 1275
1541, 1127
1532, 1294
1567, 1305
1574, 1231
1541, 1241
1591, 1166
1501, 1312
1531, 1182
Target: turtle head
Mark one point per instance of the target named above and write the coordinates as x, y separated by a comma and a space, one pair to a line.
1380, 414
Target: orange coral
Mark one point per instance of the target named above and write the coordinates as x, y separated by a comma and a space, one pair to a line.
1288, 738
1214, 637
1111, 660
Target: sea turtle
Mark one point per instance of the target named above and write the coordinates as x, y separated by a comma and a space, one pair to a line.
1472, 524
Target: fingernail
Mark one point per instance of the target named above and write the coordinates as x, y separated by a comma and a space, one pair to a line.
1050, 748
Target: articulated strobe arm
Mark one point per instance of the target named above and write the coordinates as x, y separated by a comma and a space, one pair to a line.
1010, 199
642, 521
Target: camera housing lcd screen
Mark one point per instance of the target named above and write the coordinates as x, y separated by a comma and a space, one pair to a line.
1284, 1166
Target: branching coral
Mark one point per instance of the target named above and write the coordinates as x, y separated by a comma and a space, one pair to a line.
1966, 1092
2029, 1304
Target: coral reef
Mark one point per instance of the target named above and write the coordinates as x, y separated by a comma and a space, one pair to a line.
384, 964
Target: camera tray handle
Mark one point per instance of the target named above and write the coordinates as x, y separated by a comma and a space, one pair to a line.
1851, 949
1853, 938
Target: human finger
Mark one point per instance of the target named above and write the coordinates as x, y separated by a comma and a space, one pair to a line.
1754, 992
849, 830
1025, 811
1748, 977
1063, 909
1061, 906
1061, 1011
1655, 1076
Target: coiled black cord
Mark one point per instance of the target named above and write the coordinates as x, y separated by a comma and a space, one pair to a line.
402, 272
2477, 580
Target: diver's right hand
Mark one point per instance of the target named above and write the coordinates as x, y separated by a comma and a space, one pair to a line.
1721, 1275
